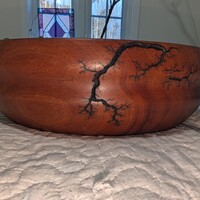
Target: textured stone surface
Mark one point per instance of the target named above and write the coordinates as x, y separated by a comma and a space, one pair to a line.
42, 165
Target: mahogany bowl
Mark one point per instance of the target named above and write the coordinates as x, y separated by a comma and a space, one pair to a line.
98, 87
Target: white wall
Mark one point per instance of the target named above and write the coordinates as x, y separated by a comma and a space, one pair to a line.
12, 20
170, 20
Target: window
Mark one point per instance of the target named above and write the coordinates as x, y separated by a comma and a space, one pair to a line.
55, 3
89, 17
99, 12
127, 12
56, 19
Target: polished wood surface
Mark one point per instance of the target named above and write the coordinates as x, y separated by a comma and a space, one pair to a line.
98, 87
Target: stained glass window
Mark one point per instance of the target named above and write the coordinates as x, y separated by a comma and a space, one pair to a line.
100, 10
56, 19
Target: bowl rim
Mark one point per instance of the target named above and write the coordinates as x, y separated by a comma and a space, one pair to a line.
98, 40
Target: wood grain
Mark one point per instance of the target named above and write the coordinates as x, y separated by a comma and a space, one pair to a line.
98, 87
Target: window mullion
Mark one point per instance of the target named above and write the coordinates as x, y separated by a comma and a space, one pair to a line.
116, 21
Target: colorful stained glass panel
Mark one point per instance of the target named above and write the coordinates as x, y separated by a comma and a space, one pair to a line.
56, 22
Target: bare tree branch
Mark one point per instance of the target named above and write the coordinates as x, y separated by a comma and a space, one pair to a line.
112, 5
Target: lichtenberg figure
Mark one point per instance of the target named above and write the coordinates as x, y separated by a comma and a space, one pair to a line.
116, 114
113, 108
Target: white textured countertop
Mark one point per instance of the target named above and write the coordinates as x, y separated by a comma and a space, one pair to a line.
38, 165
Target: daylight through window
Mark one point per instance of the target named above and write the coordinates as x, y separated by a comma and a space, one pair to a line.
100, 10
55, 3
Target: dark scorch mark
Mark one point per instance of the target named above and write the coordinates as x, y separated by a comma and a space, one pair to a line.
174, 76
114, 108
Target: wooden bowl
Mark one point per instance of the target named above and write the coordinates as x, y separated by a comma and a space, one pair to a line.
98, 87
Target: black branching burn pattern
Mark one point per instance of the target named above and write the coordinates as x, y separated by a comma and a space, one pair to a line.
175, 77
116, 110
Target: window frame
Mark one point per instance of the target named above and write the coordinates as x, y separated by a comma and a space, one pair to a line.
82, 13
129, 16
111, 18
